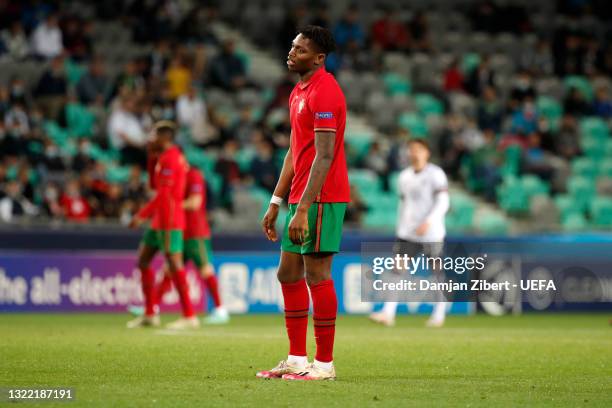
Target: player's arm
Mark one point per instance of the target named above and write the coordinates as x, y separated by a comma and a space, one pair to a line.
325, 142
268, 223
440, 205
163, 194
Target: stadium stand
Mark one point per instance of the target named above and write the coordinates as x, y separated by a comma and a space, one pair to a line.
515, 97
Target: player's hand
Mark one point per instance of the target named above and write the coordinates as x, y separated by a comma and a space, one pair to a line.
268, 222
422, 229
298, 227
136, 222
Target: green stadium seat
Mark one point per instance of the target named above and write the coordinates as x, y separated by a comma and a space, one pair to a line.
413, 123
493, 224
549, 107
574, 223
512, 196
582, 189
601, 211
74, 71
428, 105
605, 167
117, 174
594, 127
469, 62
55, 132
566, 205
393, 180
585, 167
396, 84
80, 120
512, 160
533, 185
592, 148
381, 220
366, 181
358, 147
581, 83
460, 216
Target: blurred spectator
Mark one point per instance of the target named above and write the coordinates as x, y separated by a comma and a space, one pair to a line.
525, 119
18, 92
227, 69
321, 17
15, 42
486, 162
348, 29
522, 88
126, 133
480, 78
76, 39
388, 32
47, 38
419, 32
159, 59
566, 142
575, 104
263, 167
16, 120
14, 204
602, 104
539, 60
81, 160
131, 78
453, 78
111, 205
490, 110
376, 160
471, 136
228, 169
178, 77
191, 112
74, 206
134, 190
451, 146
51, 206
356, 207
94, 84
53, 160
294, 19
244, 126
51, 89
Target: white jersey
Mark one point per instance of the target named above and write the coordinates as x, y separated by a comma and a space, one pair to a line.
423, 197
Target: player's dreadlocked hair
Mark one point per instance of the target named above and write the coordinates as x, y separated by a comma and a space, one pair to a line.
322, 37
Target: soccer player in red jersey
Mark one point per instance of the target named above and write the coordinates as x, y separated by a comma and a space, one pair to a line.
197, 248
315, 172
168, 221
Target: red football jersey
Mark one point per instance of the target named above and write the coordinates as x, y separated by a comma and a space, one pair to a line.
196, 222
166, 207
75, 209
318, 104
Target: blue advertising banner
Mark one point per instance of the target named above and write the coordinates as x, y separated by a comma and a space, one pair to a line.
109, 282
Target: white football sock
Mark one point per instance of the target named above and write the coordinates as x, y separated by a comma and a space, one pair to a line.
324, 366
297, 361
439, 311
389, 309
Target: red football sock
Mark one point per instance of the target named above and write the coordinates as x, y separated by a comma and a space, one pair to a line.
296, 315
164, 286
213, 288
147, 277
180, 282
325, 307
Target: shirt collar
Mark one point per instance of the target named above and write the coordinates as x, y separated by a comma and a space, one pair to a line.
318, 73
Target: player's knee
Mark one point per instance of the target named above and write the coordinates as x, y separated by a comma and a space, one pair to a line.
315, 277
286, 275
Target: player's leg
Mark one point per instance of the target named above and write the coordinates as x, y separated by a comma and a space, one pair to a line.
146, 253
295, 294
173, 245
438, 314
199, 251
325, 231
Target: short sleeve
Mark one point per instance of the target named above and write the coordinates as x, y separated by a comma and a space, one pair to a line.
196, 183
325, 106
440, 181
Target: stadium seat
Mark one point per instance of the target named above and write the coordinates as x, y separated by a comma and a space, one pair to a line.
492, 224
585, 167
396, 84
574, 223
601, 211
461, 213
366, 181
581, 83
428, 105
533, 185
117, 174
512, 196
550, 108
80, 120
413, 123
566, 205
595, 128
582, 190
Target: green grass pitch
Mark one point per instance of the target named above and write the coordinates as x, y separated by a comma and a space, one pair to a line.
529, 360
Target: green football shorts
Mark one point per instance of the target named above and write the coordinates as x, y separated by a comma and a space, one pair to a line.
167, 241
324, 229
197, 250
